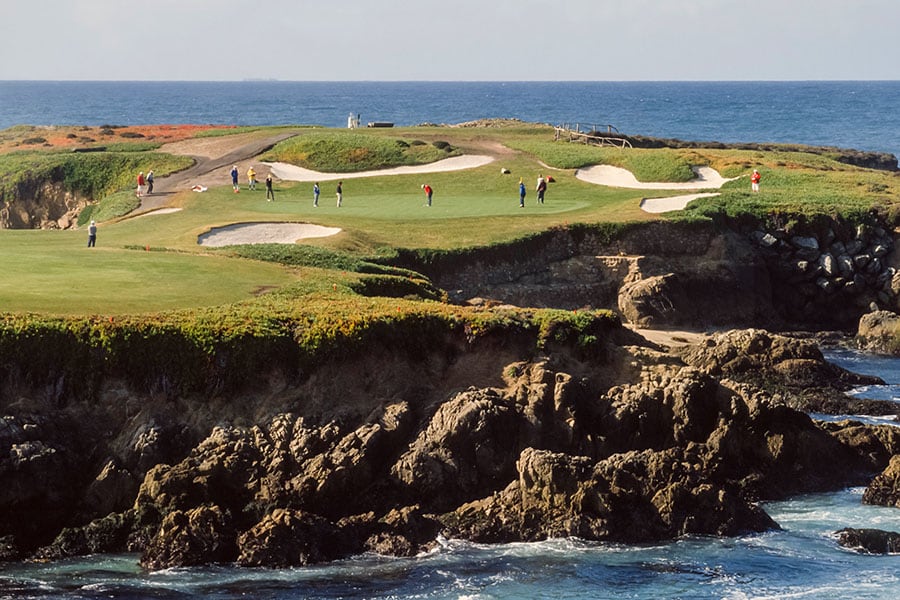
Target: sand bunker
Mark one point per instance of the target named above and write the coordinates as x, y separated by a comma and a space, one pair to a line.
263, 233
706, 178
287, 172
661, 205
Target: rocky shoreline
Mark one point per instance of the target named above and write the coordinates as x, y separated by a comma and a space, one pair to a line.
493, 442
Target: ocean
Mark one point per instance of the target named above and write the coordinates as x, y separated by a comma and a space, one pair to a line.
850, 114
800, 561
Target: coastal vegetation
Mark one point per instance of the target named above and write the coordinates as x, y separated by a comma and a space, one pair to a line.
95, 174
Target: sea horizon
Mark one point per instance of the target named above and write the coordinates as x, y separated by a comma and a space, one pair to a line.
857, 114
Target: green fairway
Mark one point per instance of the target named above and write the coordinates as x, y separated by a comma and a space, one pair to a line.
54, 272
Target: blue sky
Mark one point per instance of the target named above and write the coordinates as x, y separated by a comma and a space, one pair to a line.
450, 40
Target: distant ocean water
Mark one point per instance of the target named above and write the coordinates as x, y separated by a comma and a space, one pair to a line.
851, 114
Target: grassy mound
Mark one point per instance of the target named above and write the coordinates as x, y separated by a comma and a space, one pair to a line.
349, 152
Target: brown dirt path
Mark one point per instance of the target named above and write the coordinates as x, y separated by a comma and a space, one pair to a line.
213, 159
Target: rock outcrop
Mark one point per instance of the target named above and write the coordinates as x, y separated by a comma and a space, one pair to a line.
792, 367
870, 541
885, 488
630, 445
878, 332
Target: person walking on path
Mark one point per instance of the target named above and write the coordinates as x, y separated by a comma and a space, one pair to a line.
754, 180
270, 193
251, 179
92, 234
149, 182
316, 194
521, 193
428, 193
340, 193
541, 188
234, 179
140, 184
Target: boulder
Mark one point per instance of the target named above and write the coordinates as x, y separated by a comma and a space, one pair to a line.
879, 331
870, 541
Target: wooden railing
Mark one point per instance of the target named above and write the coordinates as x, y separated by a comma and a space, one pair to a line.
565, 131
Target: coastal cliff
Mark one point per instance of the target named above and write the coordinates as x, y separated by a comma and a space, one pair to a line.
500, 436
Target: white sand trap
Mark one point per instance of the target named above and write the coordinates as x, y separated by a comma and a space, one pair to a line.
707, 178
661, 205
287, 172
263, 233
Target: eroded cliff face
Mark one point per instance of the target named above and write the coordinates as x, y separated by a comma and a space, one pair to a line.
487, 441
691, 275
41, 205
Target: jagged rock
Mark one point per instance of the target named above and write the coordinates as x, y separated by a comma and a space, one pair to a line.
288, 538
468, 446
846, 265
109, 534
874, 445
870, 541
405, 531
198, 536
795, 365
113, 490
632, 497
40, 466
885, 488
9, 551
